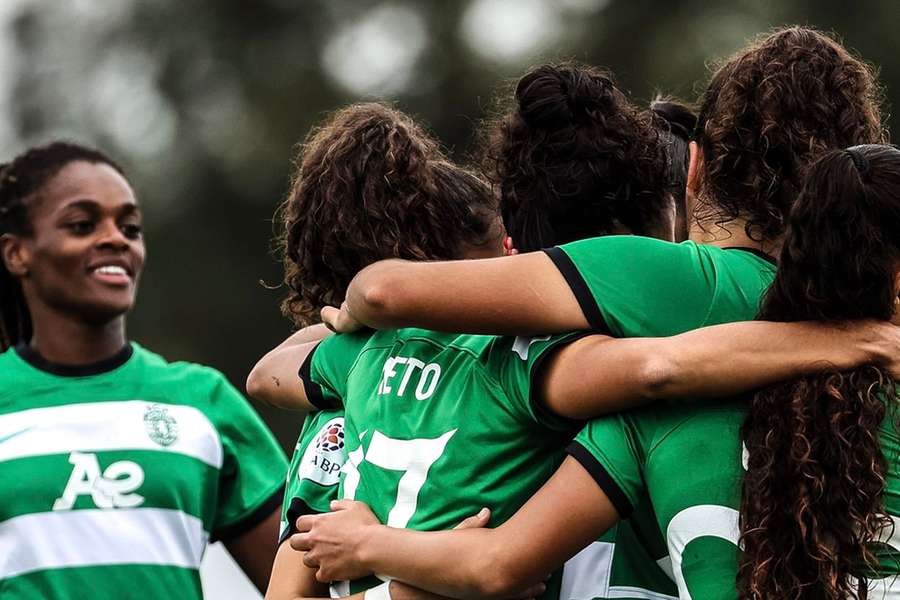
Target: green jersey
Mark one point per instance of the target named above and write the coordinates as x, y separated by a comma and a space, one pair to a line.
439, 425
632, 286
315, 469
116, 475
646, 450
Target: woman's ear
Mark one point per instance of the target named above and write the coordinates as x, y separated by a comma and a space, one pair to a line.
508, 247
14, 254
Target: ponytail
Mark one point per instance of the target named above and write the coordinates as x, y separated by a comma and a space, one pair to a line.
812, 498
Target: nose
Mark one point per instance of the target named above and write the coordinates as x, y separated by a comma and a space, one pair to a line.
110, 236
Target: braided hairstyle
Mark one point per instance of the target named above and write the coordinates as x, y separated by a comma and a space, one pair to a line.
21, 181
370, 184
812, 499
573, 158
767, 113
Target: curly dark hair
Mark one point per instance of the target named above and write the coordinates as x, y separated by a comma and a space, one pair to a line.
370, 184
812, 499
572, 158
677, 122
767, 113
21, 181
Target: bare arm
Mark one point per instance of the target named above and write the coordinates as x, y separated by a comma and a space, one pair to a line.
569, 512
517, 294
598, 374
291, 579
274, 380
254, 550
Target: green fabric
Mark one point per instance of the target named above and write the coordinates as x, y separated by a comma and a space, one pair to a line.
313, 475
440, 425
113, 482
644, 287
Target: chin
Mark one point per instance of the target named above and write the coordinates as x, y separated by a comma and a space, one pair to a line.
102, 313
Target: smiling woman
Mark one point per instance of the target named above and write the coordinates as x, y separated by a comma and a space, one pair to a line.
118, 466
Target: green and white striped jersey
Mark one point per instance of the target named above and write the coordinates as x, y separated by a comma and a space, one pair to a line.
116, 475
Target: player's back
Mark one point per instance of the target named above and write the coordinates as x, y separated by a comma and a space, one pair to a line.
440, 425
698, 507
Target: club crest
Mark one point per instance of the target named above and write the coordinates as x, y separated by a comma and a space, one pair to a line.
161, 427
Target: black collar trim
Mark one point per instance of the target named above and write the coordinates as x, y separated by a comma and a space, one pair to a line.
31, 356
756, 251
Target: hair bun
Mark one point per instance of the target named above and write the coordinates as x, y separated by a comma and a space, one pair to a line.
556, 96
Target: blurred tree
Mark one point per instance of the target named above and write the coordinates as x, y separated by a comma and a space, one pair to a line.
205, 102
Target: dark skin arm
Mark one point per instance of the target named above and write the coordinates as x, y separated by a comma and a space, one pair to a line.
254, 551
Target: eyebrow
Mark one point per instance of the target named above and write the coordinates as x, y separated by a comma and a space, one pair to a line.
93, 207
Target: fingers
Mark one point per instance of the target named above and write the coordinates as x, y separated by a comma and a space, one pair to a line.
337, 505
305, 523
300, 542
475, 521
330, 317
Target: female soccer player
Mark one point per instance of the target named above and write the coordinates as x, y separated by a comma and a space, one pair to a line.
370, 184
753, 145
820, 456
117, 466
834, 436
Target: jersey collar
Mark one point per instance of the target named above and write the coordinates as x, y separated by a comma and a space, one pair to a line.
33, 358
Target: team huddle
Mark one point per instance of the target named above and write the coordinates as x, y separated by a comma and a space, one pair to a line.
629, 353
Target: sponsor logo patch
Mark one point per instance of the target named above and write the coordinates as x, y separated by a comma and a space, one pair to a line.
324, 458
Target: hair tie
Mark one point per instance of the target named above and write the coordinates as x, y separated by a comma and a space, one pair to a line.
859, 161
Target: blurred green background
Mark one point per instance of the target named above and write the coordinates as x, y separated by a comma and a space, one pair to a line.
205, 101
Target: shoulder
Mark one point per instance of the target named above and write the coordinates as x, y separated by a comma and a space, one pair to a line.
183, 382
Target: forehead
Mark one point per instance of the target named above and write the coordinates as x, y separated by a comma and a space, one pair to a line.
80, 181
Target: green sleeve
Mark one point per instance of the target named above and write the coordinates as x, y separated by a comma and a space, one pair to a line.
253, 464
324, 372
312, 481
612, 451
632, 286
517, 364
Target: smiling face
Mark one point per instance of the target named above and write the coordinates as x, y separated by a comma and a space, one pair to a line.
85, 252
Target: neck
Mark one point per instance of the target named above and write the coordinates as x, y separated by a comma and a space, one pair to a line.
61, 339
731, 234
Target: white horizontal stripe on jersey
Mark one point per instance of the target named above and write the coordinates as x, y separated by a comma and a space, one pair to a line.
627, 591
96, 537
99, 426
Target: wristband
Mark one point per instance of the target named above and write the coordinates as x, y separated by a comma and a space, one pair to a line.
379, 592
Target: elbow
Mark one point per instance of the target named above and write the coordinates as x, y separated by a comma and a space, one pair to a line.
376, 297
254, 385
258, 387
497, 577
657, 378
